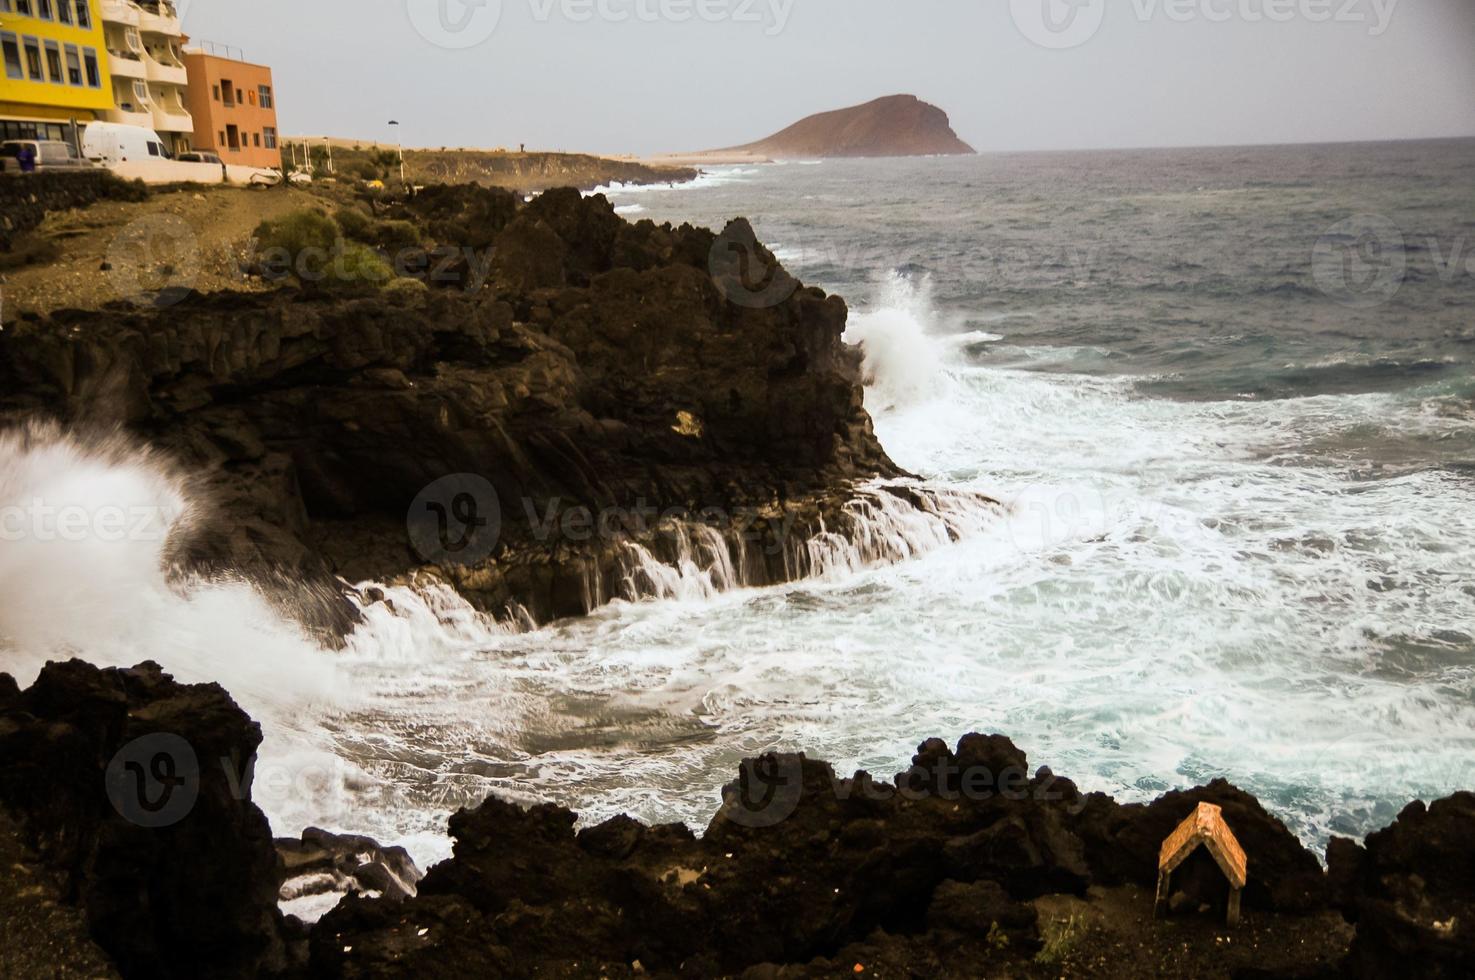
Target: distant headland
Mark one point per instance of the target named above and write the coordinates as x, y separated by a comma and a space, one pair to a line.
893, 126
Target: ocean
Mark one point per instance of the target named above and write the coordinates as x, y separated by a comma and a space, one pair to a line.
1228, 399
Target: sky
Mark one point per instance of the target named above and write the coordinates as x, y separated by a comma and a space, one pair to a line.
651, 76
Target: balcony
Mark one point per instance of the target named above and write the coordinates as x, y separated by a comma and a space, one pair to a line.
125, 64
162, 71
129, 117
120, 12
171, 119
158, 18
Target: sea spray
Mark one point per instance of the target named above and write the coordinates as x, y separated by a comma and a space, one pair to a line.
902, 359
90, 526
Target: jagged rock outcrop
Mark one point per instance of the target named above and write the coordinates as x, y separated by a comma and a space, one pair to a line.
577, 364
1411, 892
322, 865
137, 790
799, 868
893, 126
1124, 842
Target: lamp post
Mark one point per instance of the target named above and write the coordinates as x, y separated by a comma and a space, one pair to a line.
401, 143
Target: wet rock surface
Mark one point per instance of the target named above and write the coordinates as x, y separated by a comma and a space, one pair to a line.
322, 865
1410, 890
960, 866
968, 863
136, 790
578, 364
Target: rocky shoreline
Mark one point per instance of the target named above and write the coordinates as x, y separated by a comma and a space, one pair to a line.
600, 393
548, 407
135, 792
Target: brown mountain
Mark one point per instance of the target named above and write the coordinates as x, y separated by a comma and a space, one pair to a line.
894, 126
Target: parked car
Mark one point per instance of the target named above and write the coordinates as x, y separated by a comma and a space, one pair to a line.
114, 143
46, 154
199, 156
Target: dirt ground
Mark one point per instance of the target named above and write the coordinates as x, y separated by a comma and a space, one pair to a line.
40, 935
1112, 933
116, 250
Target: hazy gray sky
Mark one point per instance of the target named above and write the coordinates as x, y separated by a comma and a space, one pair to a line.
643, 76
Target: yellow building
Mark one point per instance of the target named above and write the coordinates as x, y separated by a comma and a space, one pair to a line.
56, 68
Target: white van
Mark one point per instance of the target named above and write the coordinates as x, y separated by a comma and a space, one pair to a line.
114, 143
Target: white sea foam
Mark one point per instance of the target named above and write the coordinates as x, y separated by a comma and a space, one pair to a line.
85, 571
1175, 591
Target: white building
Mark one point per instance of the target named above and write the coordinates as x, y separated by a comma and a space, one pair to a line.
146, 59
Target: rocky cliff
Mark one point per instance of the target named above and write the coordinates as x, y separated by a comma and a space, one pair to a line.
559, 382
135, 790
894, 126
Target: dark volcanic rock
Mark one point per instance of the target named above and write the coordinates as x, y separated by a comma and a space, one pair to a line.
579, 364
1123, 843
797, 865
136, 789
1411, 892
320, 862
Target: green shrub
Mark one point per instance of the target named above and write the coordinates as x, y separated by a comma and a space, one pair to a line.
355, 224
405, 288
356, 268
396, 236
298, 230
309, 246
363, 170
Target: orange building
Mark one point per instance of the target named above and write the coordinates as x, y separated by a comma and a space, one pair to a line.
234, 107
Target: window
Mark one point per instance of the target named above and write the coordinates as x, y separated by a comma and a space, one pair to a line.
265, 96
229, 89
64, 11
153, 148
43, 9
33, 60
94, 77
216, 90
256, 138
53, 63
252, 97
132, 38
74, 65
141, 96
232, 137
84, 15
221, 141
11, 44
269, 136
23, 7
